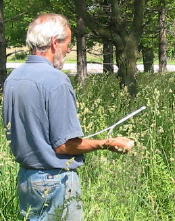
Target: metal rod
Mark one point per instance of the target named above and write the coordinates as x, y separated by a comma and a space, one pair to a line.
117, 123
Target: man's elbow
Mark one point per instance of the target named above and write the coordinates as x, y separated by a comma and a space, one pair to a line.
64, 150
60, 149
71, 147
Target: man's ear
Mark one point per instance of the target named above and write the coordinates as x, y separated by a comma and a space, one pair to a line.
53, 44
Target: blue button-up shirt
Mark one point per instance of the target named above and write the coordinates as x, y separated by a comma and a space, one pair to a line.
40, 115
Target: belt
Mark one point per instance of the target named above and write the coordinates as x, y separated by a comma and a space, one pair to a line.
61, 169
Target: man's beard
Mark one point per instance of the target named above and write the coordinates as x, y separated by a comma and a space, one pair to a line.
58, 60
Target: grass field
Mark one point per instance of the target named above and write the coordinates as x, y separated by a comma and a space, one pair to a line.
139, 186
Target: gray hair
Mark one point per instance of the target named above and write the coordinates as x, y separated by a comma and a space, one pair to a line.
44, 28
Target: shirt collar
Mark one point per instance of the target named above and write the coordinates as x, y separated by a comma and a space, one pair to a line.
37, 59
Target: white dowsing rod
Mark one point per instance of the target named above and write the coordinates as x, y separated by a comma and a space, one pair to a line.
119, 122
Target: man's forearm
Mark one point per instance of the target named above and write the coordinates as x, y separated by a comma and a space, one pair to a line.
77, 146
80, 146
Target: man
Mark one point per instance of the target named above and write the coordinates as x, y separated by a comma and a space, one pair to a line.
41, 120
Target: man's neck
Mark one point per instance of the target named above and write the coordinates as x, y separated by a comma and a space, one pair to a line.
47, 54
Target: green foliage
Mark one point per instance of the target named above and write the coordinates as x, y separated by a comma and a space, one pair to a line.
139, 186
18, 14
151, 26
9, 209
136, 186
19, 56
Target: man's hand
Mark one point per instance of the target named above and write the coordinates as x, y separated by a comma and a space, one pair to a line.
119, 144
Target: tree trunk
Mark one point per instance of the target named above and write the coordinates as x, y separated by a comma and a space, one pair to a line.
126, 62
148, 59
127, 45
125, 42
2, 48
108, 57
81, 52
162, 38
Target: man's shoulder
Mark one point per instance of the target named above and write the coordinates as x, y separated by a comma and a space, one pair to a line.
56, 78
41, 74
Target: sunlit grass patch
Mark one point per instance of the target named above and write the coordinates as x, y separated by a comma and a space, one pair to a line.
137, 186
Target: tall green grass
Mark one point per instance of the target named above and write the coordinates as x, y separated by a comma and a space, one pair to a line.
133, 187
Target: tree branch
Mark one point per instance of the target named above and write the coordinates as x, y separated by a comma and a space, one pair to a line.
95, 25
17, 17
92, 22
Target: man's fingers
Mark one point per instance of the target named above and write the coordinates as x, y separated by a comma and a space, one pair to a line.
130, 143
120, 150
127, 147
120, 144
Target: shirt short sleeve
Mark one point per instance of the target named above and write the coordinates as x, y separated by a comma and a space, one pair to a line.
62, 114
